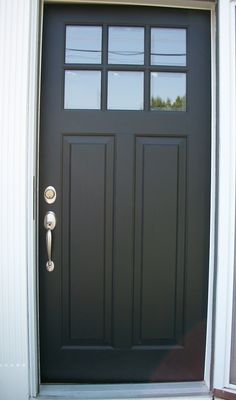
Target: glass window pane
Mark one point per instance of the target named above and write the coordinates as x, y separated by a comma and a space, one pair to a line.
125, 90
126, 45
168, 46
82, 90
83, 44
168, 91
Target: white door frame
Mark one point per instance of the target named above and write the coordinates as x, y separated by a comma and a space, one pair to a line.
221, 186
226, 196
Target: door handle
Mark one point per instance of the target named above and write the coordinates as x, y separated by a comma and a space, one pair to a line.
49, 224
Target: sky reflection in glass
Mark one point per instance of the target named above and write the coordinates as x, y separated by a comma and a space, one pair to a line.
125, 45
83, 44
125, 90
82, 90
168, 91
168, 46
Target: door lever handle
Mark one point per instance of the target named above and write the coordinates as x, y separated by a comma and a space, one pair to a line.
49, 224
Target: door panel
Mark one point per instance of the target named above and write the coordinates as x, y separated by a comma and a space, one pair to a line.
127, 300
88, 164
159, 240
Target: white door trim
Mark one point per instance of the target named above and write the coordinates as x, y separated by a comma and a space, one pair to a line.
34, 93
226, 206
32, 193
191, 4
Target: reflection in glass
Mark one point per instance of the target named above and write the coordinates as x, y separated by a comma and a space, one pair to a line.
168, 46
82, 90
125, 90
126, 45
168, 91
83, 44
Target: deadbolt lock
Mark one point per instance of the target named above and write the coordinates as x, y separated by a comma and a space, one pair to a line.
50, 194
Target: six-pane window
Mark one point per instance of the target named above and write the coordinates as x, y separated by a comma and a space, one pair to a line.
131, 59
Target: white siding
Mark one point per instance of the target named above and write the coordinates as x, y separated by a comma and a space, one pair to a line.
14, 56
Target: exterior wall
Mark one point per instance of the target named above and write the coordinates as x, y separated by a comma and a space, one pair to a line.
225, 261
14, 122
18, 126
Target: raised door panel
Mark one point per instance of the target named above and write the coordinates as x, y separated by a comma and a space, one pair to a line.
87, 225
159, 240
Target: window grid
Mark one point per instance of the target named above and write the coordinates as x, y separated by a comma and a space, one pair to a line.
147, 68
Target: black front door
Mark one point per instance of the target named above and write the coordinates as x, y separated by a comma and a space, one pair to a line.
125, 142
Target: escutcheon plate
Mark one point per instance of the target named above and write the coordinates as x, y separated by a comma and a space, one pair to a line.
50, 195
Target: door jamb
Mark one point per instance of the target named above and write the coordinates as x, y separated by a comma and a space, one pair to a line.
226, 266
33, 169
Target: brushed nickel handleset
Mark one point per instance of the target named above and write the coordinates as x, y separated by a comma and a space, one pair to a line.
49, 224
